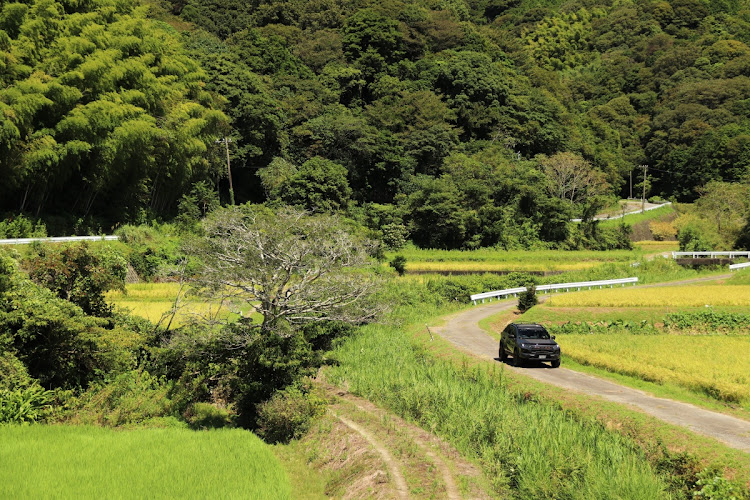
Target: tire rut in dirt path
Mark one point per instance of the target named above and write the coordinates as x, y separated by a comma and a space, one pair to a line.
393, 467
432, 466
463, 331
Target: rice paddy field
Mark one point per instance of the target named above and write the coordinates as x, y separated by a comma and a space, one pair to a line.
41, 461
628, 335
710, 365
515, 260
155, 301
675, 297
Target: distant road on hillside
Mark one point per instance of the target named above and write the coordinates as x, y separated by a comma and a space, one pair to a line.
631, 208
57, 239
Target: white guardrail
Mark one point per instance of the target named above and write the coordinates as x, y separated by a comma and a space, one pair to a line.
56, 239
711, 255
551, 288
732, 267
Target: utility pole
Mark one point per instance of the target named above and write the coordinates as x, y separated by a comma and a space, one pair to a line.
226, 141
631, 184
643, 200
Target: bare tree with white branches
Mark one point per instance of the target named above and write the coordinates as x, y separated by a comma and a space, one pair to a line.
572, 178
289, 266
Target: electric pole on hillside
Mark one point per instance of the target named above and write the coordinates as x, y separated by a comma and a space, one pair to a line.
226, 141
643, 200
631, 184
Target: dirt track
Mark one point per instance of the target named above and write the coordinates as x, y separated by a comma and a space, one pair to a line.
463, 331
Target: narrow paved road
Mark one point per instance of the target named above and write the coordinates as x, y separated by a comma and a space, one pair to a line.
463, 330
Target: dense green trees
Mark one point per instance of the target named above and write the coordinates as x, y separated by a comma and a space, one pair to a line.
101, 108
101, 104
58, 343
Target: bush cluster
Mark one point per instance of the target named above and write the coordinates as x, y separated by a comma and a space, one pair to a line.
22, 227
707, 321
154, 251
289, 413
460, 288
616, 326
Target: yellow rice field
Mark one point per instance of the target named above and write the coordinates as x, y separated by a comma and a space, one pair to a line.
683, 296
153, 300
657, 246
496, 266
717, 366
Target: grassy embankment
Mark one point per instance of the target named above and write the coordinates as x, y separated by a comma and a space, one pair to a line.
634, 218
90, 462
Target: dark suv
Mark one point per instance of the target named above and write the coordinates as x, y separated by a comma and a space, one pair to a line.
528, 342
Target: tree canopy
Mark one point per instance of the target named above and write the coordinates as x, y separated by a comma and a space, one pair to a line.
107, 111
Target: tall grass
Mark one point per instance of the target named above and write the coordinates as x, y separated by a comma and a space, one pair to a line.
531, 449
741, 277
91, 462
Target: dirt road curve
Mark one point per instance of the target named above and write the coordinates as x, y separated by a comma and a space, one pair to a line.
463, 330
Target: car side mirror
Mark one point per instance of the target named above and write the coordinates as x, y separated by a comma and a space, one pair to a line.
553, 337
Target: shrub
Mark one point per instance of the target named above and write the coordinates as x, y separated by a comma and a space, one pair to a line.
394, 236
80, 274
713, 486
22, 227
289, 414
59, 345
399, 264
527, 299
153, 251
208, 416
24, 405
663, 230
203, 199
131, 398
22, 399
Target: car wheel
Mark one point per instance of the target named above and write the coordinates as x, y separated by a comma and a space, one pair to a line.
555, 363
517, 361
503, 356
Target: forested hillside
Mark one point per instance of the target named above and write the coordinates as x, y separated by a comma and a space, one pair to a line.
102, 110
455, 123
